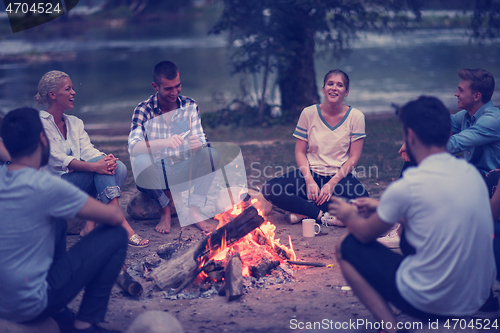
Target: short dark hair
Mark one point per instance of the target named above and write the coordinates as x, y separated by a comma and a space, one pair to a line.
429, 119
165, 69
20, 131
341, 73
480, 81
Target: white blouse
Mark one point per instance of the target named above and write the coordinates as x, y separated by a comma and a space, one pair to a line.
63, 151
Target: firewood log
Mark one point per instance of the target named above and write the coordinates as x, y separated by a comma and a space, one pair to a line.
172, 273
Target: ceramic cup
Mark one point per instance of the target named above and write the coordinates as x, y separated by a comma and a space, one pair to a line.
309, 226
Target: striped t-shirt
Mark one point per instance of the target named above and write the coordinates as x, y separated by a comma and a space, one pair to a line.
328, 147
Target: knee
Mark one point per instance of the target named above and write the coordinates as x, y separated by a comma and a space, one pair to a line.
345, 247
140, 163
120, 167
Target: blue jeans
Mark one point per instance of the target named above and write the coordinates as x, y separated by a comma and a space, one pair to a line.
104, 187
93, 263
162, 176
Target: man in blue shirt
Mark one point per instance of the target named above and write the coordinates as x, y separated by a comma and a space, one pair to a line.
476, 128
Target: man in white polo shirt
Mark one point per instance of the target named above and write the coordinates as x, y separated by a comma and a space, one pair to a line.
443, 206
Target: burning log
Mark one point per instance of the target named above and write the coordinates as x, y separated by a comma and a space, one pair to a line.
263, 268
174, 272
280, 249
214, 270
128, 284
233, 276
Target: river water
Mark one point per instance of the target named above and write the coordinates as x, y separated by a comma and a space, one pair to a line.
111, 69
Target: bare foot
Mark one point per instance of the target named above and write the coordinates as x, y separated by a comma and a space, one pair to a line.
205, 226
89, 226
163, 227
165, 220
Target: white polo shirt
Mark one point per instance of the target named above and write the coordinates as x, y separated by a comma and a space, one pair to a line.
448, 221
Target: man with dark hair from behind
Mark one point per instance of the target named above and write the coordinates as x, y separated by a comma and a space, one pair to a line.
38, 276
167, 141
443, 207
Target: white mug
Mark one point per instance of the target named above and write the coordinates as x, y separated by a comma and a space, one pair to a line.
309, 226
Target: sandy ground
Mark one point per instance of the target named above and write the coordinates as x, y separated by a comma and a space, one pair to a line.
312, 295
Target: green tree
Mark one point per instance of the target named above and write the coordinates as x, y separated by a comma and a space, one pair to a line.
283, 36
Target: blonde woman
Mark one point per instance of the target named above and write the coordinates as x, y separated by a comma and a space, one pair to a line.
72, 155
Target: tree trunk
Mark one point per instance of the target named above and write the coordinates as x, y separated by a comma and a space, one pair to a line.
262, 104
297, 77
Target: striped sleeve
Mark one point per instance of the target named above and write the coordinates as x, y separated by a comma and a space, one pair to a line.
301, 128
358, 126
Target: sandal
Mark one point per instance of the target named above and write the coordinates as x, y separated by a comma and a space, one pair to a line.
135, 241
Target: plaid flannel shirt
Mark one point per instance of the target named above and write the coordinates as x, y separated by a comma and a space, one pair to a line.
148, 125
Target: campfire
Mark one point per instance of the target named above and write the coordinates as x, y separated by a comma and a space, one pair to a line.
255, 247
243, 245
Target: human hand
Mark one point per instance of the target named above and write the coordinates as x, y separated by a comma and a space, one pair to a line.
175, 141
324, 194
366, 206
403, 153
194, 142
102, 167
341, 209
111, 161
312, 190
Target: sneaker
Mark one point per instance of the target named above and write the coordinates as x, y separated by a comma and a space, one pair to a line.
328, 220
295, 218
391, 240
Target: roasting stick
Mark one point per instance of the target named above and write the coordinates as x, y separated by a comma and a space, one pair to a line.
305, 263
184, 135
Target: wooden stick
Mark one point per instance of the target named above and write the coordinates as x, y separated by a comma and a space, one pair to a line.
305, 263
190, 166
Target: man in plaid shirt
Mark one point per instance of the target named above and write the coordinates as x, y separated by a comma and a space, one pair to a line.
169, 149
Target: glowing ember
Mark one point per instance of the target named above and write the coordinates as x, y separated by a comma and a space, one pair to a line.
256, 245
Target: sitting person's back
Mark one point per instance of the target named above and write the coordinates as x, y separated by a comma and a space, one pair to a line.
39, 277
448, 224
447, 268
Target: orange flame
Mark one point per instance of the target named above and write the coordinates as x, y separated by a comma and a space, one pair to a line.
250, 248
